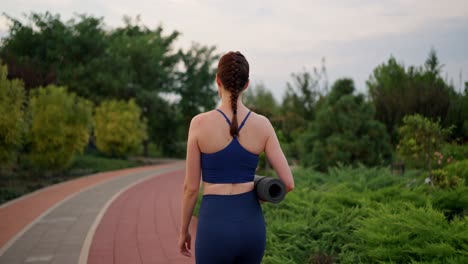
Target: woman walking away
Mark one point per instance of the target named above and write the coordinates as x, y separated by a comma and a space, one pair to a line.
224, 152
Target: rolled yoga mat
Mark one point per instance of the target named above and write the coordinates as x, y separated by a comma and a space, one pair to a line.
269, 189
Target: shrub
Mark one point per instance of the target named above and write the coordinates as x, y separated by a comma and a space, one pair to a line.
119, 129
366, 215
420, 140
60, 127
458, 169
12, 123
443, 179
8, 193
452, 202
403, 233
455, 152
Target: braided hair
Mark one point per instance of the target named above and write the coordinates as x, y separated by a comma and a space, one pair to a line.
233, 71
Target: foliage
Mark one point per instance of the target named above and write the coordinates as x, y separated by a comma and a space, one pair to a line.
452, 202
344, 131
132, 61
261, 100
403, 233
455, 151
457, 116
443, 179
458, 169
302, 94
27, 181
420, 140
119, 128
32, 56
366, 215
60, 127
397, 92
94, 163
195, 83
12, 122
8, 193
297, 109
161, 115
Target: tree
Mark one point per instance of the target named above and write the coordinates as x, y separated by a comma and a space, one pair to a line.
12, 121
149, 57
300, 99
396, 92
457, 116
195, 83
261, 100
60, 127
344, 131
302, 94
432, 64
162, 119
420, 139
152, 65
90, 65
34, 51
119, 128
127, 62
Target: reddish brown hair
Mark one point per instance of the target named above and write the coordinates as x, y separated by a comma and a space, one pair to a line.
233, 71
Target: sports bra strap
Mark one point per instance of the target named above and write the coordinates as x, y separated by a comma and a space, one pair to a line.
229, 122
227, 119
243, 121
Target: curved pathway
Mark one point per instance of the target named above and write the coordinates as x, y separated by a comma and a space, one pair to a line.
64, 223
141, 225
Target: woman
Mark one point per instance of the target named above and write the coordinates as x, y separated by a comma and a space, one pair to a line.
231, 227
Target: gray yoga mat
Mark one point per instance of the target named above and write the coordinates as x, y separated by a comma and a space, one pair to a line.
269, 189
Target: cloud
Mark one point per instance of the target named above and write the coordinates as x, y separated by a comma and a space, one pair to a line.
281, 37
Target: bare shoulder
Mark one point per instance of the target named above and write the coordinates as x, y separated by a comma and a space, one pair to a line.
262, 122
199, 120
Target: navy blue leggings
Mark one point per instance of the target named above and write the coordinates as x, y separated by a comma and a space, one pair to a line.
231, 229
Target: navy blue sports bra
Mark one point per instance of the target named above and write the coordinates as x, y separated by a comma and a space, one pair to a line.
233, 164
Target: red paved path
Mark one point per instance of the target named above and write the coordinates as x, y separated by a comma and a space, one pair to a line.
141, 225
18, 214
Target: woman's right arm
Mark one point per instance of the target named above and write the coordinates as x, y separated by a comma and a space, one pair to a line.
191, 187
276, 157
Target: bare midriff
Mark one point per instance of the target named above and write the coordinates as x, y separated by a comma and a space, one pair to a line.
227, 188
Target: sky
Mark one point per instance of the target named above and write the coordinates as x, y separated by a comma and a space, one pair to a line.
279, 38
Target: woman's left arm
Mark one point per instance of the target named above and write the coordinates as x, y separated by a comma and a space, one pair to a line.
191, 185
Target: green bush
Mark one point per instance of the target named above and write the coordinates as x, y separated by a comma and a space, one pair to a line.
403, 233
87, 164
453, 202
12, 123
458, 169
119, 128
8, 193
60, 127
421, 141
443, 179
366, 215
455, 152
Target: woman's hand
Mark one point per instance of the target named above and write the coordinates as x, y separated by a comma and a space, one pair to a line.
185, 241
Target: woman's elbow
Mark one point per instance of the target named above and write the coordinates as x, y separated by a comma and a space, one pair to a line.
191, 190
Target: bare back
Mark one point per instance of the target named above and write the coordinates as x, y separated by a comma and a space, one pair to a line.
213, 135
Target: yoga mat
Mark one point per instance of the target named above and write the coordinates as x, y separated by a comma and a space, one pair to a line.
269, 189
